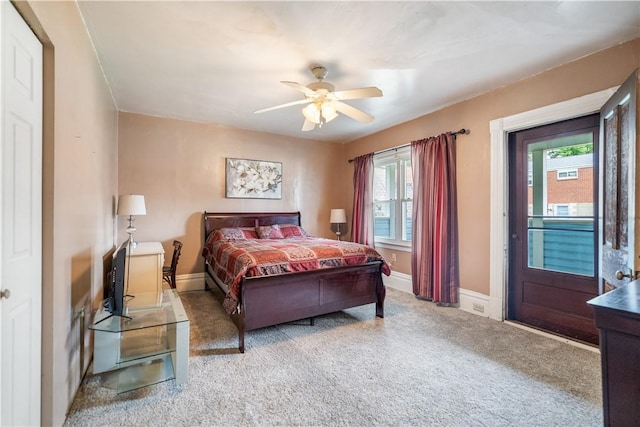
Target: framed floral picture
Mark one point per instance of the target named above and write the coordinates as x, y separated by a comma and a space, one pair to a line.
253, 179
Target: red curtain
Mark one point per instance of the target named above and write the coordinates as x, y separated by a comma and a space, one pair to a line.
362, 218
434, 231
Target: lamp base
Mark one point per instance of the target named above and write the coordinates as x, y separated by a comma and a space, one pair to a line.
132, 243
131, 230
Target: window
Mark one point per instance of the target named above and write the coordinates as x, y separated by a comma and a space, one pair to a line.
392, 196
562, 210
561, 221
568, 174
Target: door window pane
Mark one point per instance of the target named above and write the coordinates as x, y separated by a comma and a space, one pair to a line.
560, 205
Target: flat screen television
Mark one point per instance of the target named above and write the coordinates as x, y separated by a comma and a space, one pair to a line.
115, 301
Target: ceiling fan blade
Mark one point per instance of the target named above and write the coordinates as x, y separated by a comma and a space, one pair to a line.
308, 125
288, 104
353, 112
363, 92
301, 88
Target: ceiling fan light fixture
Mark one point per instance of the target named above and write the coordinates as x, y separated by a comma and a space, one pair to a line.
324, 103
328, 112
320, 112
312, 113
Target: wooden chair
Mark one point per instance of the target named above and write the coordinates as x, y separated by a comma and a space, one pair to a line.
169, 272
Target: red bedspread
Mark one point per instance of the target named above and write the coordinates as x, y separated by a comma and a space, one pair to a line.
231, 259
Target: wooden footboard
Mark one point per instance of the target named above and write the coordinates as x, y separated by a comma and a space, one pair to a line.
271, 300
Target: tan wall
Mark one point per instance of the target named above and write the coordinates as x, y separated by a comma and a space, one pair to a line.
179, 167
79, 185
591, 74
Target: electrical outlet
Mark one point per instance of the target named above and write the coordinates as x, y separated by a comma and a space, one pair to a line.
478, 308
394, 258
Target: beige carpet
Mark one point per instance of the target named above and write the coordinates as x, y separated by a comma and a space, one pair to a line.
421, 365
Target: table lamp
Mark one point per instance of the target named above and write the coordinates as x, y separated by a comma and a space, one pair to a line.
338, 217
131, 205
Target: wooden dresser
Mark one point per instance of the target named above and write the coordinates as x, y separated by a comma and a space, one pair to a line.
617, 316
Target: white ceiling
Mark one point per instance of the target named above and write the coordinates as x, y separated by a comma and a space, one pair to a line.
217, 62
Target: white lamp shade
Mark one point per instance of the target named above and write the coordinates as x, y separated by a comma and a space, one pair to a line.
311, 113
131, 204
329, 112
338, 216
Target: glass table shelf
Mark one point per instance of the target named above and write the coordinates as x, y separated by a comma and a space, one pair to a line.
167, 313
146, 347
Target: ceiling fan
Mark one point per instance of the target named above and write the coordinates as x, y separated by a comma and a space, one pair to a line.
325, 103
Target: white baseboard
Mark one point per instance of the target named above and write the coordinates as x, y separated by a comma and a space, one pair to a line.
473, 302
399, 281
190, 282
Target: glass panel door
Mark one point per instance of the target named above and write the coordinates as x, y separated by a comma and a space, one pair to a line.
561, 214
553, 264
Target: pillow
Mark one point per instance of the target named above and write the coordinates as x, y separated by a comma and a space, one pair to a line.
238, 233
269, 232
249, 232
292, 230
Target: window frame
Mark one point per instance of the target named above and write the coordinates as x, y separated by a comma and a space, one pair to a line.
567, 171
561, 206
398, 156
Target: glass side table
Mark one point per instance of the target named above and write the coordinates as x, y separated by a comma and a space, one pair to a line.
148, 347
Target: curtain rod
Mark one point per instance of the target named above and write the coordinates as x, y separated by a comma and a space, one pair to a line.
462, 131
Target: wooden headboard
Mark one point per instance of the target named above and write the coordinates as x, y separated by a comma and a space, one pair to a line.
217, 220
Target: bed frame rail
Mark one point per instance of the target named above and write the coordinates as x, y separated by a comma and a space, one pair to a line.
272, 300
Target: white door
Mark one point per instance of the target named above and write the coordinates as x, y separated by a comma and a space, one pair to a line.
21, 215
619, 182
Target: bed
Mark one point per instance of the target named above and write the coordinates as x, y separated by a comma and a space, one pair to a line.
261, 295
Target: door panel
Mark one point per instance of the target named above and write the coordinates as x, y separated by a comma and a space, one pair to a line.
618, 123
553, 227
555, 298
21, 235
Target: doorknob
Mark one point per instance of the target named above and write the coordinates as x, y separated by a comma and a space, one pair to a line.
620, 275
5, 293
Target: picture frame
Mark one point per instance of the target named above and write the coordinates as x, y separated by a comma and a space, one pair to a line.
252, 179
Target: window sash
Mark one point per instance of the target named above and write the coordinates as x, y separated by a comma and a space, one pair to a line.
392, 214
567, 174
